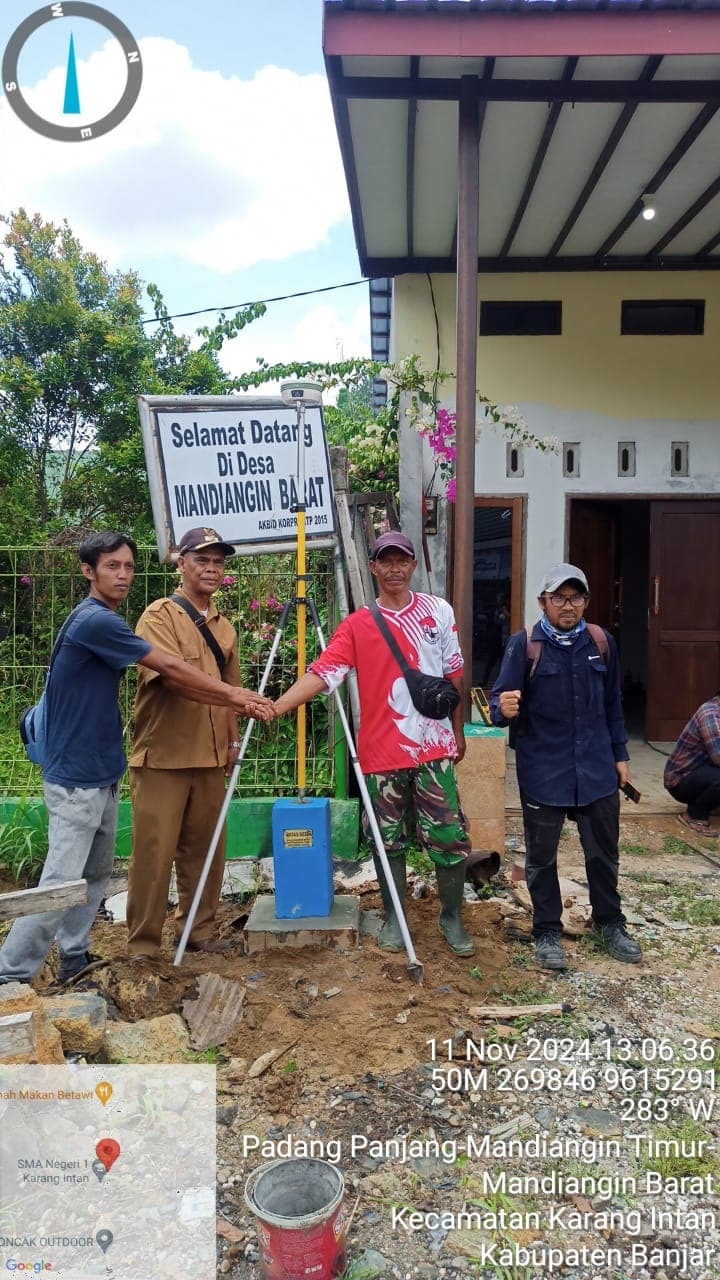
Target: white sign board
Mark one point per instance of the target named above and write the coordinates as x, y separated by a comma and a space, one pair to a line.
231, 463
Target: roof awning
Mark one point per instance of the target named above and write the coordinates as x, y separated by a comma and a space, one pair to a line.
585, 107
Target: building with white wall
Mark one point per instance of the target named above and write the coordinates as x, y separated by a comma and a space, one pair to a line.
499, 160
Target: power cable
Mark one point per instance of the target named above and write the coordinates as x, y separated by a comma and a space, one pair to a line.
239, 306
653, 748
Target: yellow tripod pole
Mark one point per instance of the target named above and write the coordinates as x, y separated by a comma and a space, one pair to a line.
300, 394
301, 615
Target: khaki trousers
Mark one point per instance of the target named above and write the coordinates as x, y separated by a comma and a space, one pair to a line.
174, 812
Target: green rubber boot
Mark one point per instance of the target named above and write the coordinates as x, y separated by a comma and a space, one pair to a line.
450, 883
390, 938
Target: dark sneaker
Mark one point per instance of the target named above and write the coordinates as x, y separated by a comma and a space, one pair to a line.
548, 952
71, 966
618, 943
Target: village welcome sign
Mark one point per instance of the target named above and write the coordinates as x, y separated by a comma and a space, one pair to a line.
231, 462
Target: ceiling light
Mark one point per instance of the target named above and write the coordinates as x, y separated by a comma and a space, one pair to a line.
648, 209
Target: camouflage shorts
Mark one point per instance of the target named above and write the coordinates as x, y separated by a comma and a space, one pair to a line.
422, 801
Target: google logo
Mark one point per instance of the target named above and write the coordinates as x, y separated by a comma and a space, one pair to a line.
42, 1265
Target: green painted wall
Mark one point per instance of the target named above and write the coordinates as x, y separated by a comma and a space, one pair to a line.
248, 826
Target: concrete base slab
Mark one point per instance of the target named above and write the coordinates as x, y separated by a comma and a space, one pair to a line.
264, 931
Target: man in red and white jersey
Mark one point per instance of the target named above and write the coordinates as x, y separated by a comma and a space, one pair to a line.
407, 758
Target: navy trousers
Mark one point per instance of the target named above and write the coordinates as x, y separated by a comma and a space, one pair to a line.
599, 830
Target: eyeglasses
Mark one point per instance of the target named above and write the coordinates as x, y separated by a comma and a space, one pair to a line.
575, 600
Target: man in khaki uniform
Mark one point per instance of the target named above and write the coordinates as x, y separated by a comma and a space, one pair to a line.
181, 753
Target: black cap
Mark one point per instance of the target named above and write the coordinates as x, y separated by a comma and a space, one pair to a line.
201, 539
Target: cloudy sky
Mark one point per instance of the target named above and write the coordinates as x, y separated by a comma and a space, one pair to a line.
223, 185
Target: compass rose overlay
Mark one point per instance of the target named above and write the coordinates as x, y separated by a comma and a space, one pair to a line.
49, 128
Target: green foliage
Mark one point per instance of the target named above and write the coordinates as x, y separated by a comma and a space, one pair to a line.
212, 1056
23, 842
74, 355
673, 845
694, 909
70, 346
525, 993
75, 352
419, 861
341, 373
484, 891
370, 438
690, 1133
252, 605
372, 445
358, 1269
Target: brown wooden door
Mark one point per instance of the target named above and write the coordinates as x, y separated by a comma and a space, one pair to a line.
594, 548
684, 613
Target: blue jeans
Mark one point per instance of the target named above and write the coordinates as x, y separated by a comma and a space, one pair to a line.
82, 823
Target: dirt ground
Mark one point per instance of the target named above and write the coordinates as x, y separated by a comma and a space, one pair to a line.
378, 1012
352, 1033
286, 1001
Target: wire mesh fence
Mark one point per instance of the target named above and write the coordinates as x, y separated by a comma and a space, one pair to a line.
40, 585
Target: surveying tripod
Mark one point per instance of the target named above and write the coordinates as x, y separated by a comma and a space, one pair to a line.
302, 601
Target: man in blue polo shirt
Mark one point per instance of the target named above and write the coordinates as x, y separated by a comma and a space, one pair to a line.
84, 757
571, 757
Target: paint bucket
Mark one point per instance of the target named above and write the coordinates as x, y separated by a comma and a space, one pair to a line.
301, 1218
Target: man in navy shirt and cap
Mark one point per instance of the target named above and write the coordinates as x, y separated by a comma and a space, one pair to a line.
84, 756
560, 689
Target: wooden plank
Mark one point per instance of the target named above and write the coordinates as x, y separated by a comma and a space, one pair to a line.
355, 554
359, 582
56, 897
505, 1012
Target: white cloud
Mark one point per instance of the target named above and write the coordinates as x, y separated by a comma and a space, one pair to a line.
323, 332
219, 171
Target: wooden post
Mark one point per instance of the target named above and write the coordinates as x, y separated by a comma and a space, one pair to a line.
466, 369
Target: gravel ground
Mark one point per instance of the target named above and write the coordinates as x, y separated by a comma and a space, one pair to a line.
581, 1145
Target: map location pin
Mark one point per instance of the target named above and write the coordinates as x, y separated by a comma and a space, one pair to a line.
107, 1151
99, 1169
104, 1091
104, 1239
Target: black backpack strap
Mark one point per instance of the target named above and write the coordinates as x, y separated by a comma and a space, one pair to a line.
204, 630
392, 643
